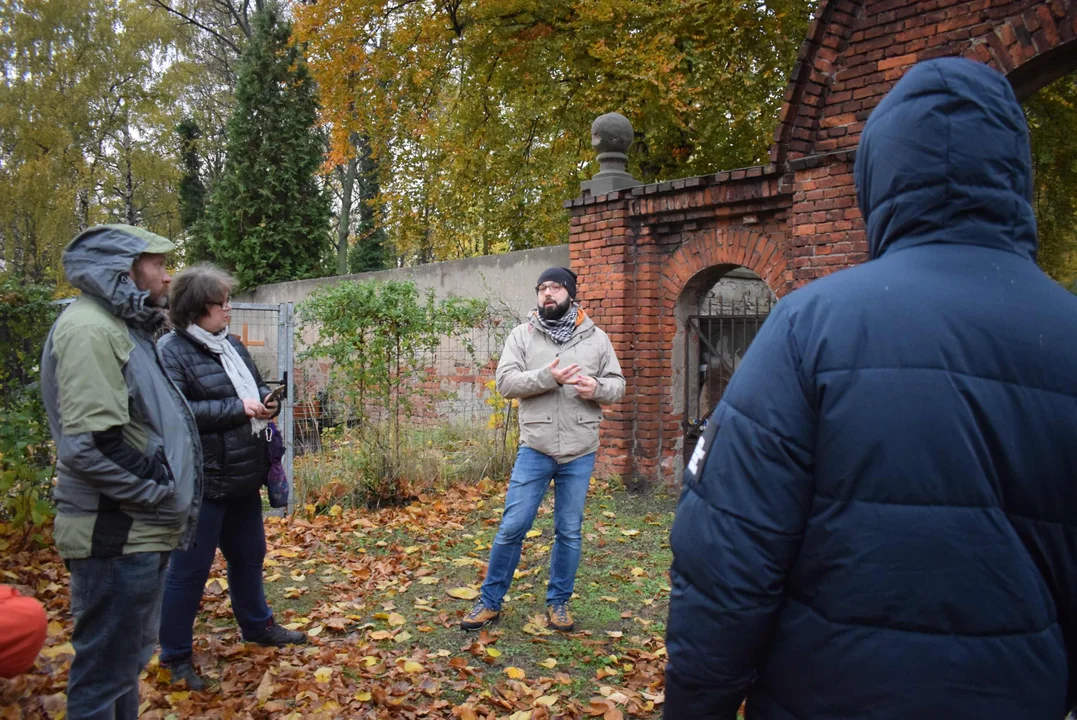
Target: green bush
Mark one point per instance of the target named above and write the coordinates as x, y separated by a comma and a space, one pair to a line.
26, 470
351, 472
27, 311
381, 339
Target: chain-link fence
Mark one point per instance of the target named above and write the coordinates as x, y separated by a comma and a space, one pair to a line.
268, 333
444, 422
449, 421
455, 386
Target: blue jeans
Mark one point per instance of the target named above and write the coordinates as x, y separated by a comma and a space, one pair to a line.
531, 477
116, 603
234, 525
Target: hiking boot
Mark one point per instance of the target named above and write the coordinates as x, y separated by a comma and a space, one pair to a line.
480, 616
181, 670
277, 636
559, 618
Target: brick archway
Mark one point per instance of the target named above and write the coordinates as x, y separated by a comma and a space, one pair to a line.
691, 271
1029, 48
743, 246
855, 51
794, 219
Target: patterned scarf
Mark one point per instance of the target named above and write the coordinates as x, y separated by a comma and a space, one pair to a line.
559, 330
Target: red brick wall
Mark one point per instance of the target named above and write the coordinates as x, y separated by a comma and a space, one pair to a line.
856, 51
602, 243
636, 252
641, 252
826, 232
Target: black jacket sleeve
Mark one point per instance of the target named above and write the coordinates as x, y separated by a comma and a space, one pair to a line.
112, 445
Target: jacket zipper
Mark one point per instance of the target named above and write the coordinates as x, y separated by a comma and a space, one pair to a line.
573, 342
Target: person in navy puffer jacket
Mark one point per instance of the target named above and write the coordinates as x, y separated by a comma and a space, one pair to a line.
881, 520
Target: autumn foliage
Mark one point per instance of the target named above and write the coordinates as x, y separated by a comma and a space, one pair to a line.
380, 594
477, 113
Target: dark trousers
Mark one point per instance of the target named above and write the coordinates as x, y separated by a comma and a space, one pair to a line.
116, 603
235, 526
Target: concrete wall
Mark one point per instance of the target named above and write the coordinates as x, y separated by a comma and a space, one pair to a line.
507, 279
456, 390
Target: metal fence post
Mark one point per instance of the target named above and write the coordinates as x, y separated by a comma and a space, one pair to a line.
282, 373
288, 341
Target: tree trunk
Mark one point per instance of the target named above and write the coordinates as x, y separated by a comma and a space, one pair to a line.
347, 182
82, 208
130, 213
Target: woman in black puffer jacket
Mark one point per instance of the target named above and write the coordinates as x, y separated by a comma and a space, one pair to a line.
226, 393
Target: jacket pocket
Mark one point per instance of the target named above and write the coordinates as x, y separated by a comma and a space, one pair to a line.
589, 420
538, 430
540, 424
172, 507
537, 416
212, 454
585, 438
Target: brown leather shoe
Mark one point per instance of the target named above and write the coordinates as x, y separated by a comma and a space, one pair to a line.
559, 618
480, 616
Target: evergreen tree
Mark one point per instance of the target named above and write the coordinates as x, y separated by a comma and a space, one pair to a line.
192, 192
268, 217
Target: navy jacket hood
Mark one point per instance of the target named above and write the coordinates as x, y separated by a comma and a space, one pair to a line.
880, 521
945, 158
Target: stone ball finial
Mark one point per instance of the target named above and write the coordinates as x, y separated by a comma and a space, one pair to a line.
611, 132
611, 136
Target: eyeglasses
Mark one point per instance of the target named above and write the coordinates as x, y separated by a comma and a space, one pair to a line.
226, 305
552, 287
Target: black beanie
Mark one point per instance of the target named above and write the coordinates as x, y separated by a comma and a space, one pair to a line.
560, 275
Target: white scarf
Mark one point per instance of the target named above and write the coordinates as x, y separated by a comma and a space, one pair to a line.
238, 373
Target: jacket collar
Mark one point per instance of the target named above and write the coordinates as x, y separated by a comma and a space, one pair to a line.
182, 332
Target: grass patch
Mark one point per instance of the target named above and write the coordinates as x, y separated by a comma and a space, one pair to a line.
378, 583
370, 588
357, 468
620, 601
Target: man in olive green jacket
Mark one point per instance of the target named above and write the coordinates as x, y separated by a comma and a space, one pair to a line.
129, 470
562, 368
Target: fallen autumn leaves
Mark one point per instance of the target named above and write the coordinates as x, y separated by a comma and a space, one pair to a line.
380, 594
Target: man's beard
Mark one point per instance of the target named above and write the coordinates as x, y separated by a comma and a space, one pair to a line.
161, 303
555, 312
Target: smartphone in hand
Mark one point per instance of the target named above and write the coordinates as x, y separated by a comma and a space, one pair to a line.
276, 395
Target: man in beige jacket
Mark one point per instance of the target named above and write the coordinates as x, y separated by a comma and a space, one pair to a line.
562, 368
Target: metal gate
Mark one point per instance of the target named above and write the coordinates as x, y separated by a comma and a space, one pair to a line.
268, 332
715, 343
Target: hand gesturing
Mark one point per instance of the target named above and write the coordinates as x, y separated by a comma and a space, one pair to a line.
564, 376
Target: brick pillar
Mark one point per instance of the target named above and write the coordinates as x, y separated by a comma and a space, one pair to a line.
655, 424
600, 242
